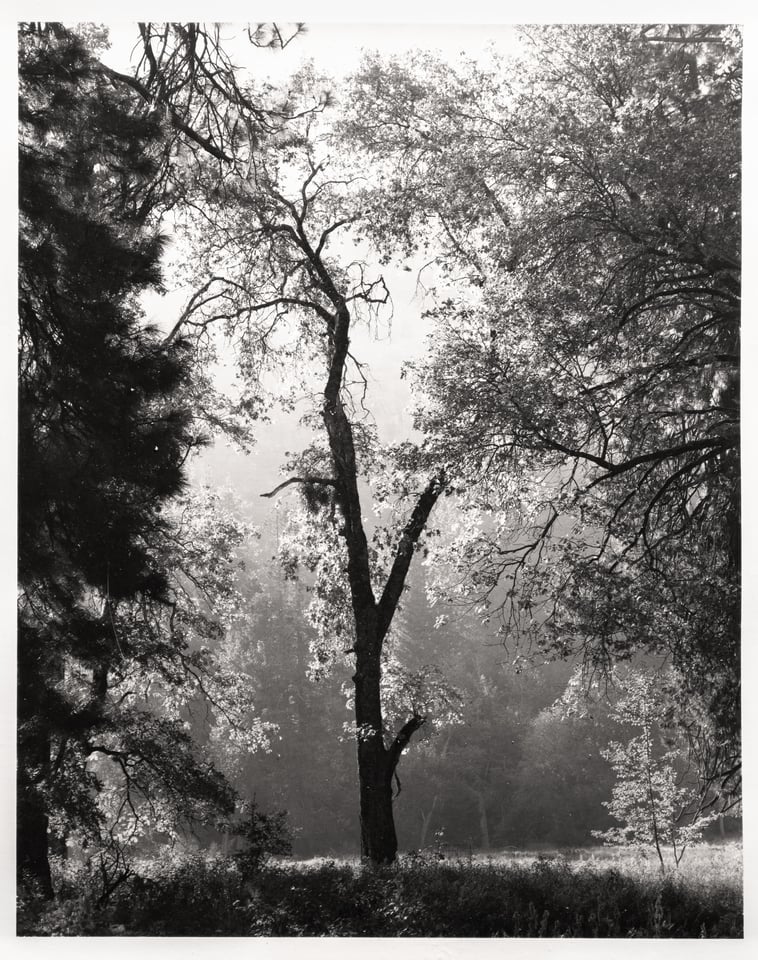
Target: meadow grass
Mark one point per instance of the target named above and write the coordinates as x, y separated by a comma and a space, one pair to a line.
598, 892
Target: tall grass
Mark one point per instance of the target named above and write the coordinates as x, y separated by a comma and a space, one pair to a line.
604, 895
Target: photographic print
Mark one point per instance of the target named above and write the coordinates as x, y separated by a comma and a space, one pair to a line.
379, 536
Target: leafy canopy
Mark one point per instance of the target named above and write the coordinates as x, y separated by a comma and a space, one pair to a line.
579, 209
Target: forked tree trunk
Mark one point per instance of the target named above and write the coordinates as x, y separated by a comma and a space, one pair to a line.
378, 839
377, 763
376, 768
372, 617
377, 760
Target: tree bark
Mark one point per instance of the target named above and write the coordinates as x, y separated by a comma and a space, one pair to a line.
32, 841
378, 836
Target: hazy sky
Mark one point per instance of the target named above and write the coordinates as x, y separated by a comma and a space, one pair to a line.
336, 49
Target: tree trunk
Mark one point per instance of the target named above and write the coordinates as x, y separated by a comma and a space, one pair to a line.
32, 842
426, 819
483, 824
378, 837
376, 762
372, 617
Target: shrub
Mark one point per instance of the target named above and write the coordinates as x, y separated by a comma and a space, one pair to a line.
264, 834
418, 897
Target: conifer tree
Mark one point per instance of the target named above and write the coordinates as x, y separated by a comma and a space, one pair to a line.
102, 439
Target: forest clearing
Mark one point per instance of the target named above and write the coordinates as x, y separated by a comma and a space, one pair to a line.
590, 893
379, 506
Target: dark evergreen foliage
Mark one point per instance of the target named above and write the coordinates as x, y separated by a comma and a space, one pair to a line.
101, 442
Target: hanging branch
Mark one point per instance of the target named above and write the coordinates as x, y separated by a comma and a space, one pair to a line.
323, 481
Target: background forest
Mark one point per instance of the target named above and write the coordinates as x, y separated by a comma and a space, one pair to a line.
499, 568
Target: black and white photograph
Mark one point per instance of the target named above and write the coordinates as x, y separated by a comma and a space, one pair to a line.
379, 519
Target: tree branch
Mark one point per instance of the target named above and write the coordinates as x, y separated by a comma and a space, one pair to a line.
402, 740
709, 444
404, 553
176, 120
324, 481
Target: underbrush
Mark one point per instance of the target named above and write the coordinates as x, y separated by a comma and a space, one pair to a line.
419, 896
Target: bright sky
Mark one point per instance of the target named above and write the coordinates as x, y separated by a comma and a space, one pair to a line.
336, 47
